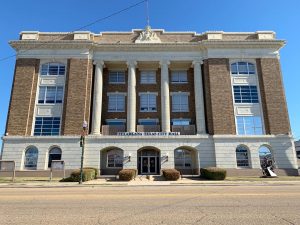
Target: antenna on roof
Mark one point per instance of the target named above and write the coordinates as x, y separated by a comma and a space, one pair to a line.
147, 13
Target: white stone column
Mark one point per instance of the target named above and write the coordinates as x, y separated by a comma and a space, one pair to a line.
131, 98
199, 99
165, 97
97, 98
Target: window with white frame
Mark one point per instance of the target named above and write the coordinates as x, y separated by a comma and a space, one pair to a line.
53, 69
116, 102
249, 125
46, 126
148, 102
242, 68
148, 121
181, 122
50, 94
115, 158
180, 102
242, 159
31, 158
245, 94
116, 77
179, 77
148, 77
183, 159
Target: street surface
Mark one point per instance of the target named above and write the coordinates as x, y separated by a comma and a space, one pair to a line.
206, 204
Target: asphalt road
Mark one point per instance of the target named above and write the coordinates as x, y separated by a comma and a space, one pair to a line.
261, 204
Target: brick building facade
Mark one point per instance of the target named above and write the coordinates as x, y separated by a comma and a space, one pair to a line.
152, 100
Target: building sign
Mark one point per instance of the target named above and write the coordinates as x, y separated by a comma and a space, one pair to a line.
57, 165
148, 133
7, 166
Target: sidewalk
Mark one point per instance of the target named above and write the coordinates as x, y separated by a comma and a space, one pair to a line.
146, 182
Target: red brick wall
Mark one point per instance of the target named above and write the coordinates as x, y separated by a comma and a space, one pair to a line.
188, 87
218, 97
77, 103
21, 108
273, 99
151, 88
107, 87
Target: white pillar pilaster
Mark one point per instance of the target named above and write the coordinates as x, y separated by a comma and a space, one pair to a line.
97, 98
199, 99
165, 97
131, 99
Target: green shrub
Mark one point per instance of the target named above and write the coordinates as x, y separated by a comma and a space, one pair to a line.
93, 168
68, 179
171, 174
88, 174
213, 173
127, 174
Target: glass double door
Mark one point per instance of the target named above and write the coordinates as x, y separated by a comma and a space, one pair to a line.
148, 165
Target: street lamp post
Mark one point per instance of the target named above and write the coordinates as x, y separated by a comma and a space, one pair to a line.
82, 142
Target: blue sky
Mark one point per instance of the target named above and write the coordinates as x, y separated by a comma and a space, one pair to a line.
172, 15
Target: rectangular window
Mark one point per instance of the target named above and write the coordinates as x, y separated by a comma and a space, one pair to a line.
148, 77
180, 102
116, 122
245, 94
53, 69
116, 77
116, 103
148, 121
46, 126
179, 77
50, 94
181, 122
249, 125
148, 102
242, 68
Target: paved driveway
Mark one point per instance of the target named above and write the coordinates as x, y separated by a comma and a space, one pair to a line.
227, 204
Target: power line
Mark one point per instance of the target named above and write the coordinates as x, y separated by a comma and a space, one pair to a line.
80, 28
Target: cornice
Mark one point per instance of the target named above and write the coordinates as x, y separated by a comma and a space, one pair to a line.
276, 44
166, 46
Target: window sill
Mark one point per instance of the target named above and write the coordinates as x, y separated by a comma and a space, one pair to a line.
179, 82
52, 75
38, 104
180, 111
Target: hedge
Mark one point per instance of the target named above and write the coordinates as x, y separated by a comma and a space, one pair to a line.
127, 174
171, 174
93, 168
213, 173
88, 174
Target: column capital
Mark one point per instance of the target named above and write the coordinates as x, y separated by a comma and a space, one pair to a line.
164, 62
99, 63
131, 63
197, 61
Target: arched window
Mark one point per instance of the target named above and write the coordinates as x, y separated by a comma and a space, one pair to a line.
31, 158
115, 158
54, 154
243, 68
242, 159
264, 152
53, 69
183, 158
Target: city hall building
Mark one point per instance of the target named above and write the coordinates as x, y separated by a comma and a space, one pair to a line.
152, 100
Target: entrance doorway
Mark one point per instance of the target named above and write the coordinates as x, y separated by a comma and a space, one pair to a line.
148, 161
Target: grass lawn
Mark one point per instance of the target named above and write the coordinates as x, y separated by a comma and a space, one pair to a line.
28, 179
254, 178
